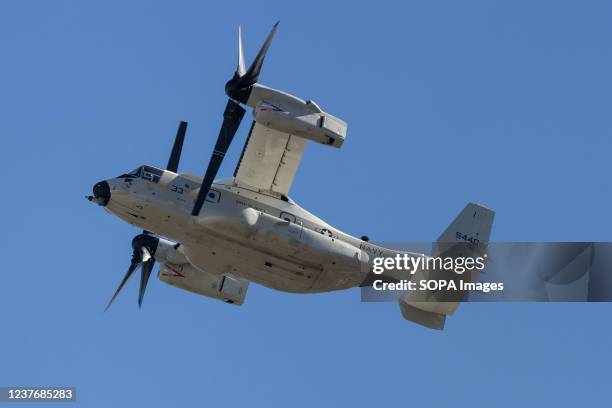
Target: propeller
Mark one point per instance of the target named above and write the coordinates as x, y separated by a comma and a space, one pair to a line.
144, 246
175, 155
240, 69
231, 121
238, 89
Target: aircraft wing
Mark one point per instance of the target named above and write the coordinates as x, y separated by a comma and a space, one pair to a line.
270, 158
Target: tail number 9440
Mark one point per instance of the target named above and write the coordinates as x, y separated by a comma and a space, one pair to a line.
464, 237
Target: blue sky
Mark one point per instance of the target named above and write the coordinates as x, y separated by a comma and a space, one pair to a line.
504, 103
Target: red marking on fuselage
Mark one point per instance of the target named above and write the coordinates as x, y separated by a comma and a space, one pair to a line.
176, 274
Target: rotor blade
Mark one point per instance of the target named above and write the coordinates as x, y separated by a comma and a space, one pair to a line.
129, 273
231, 121
252, 75
145, 273
175, 155
240, 69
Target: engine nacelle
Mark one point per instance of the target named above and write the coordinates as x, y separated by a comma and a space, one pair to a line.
176, 270
168, 252
286, 113
223, 287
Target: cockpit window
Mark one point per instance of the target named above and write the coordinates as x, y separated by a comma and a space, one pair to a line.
146, 172
132, 174
151, 173
135, 173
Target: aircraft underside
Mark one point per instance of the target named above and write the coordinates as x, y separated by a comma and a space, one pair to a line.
224, 242
266, 268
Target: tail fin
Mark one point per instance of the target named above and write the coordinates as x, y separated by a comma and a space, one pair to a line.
467, 236
472, 226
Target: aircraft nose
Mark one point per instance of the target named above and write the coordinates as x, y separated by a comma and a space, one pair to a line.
101, 192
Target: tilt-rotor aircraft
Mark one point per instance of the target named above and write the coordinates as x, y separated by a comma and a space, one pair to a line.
212, 237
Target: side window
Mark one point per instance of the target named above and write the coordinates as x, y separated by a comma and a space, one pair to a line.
151, 174
151, 177
287, 217
213, 196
